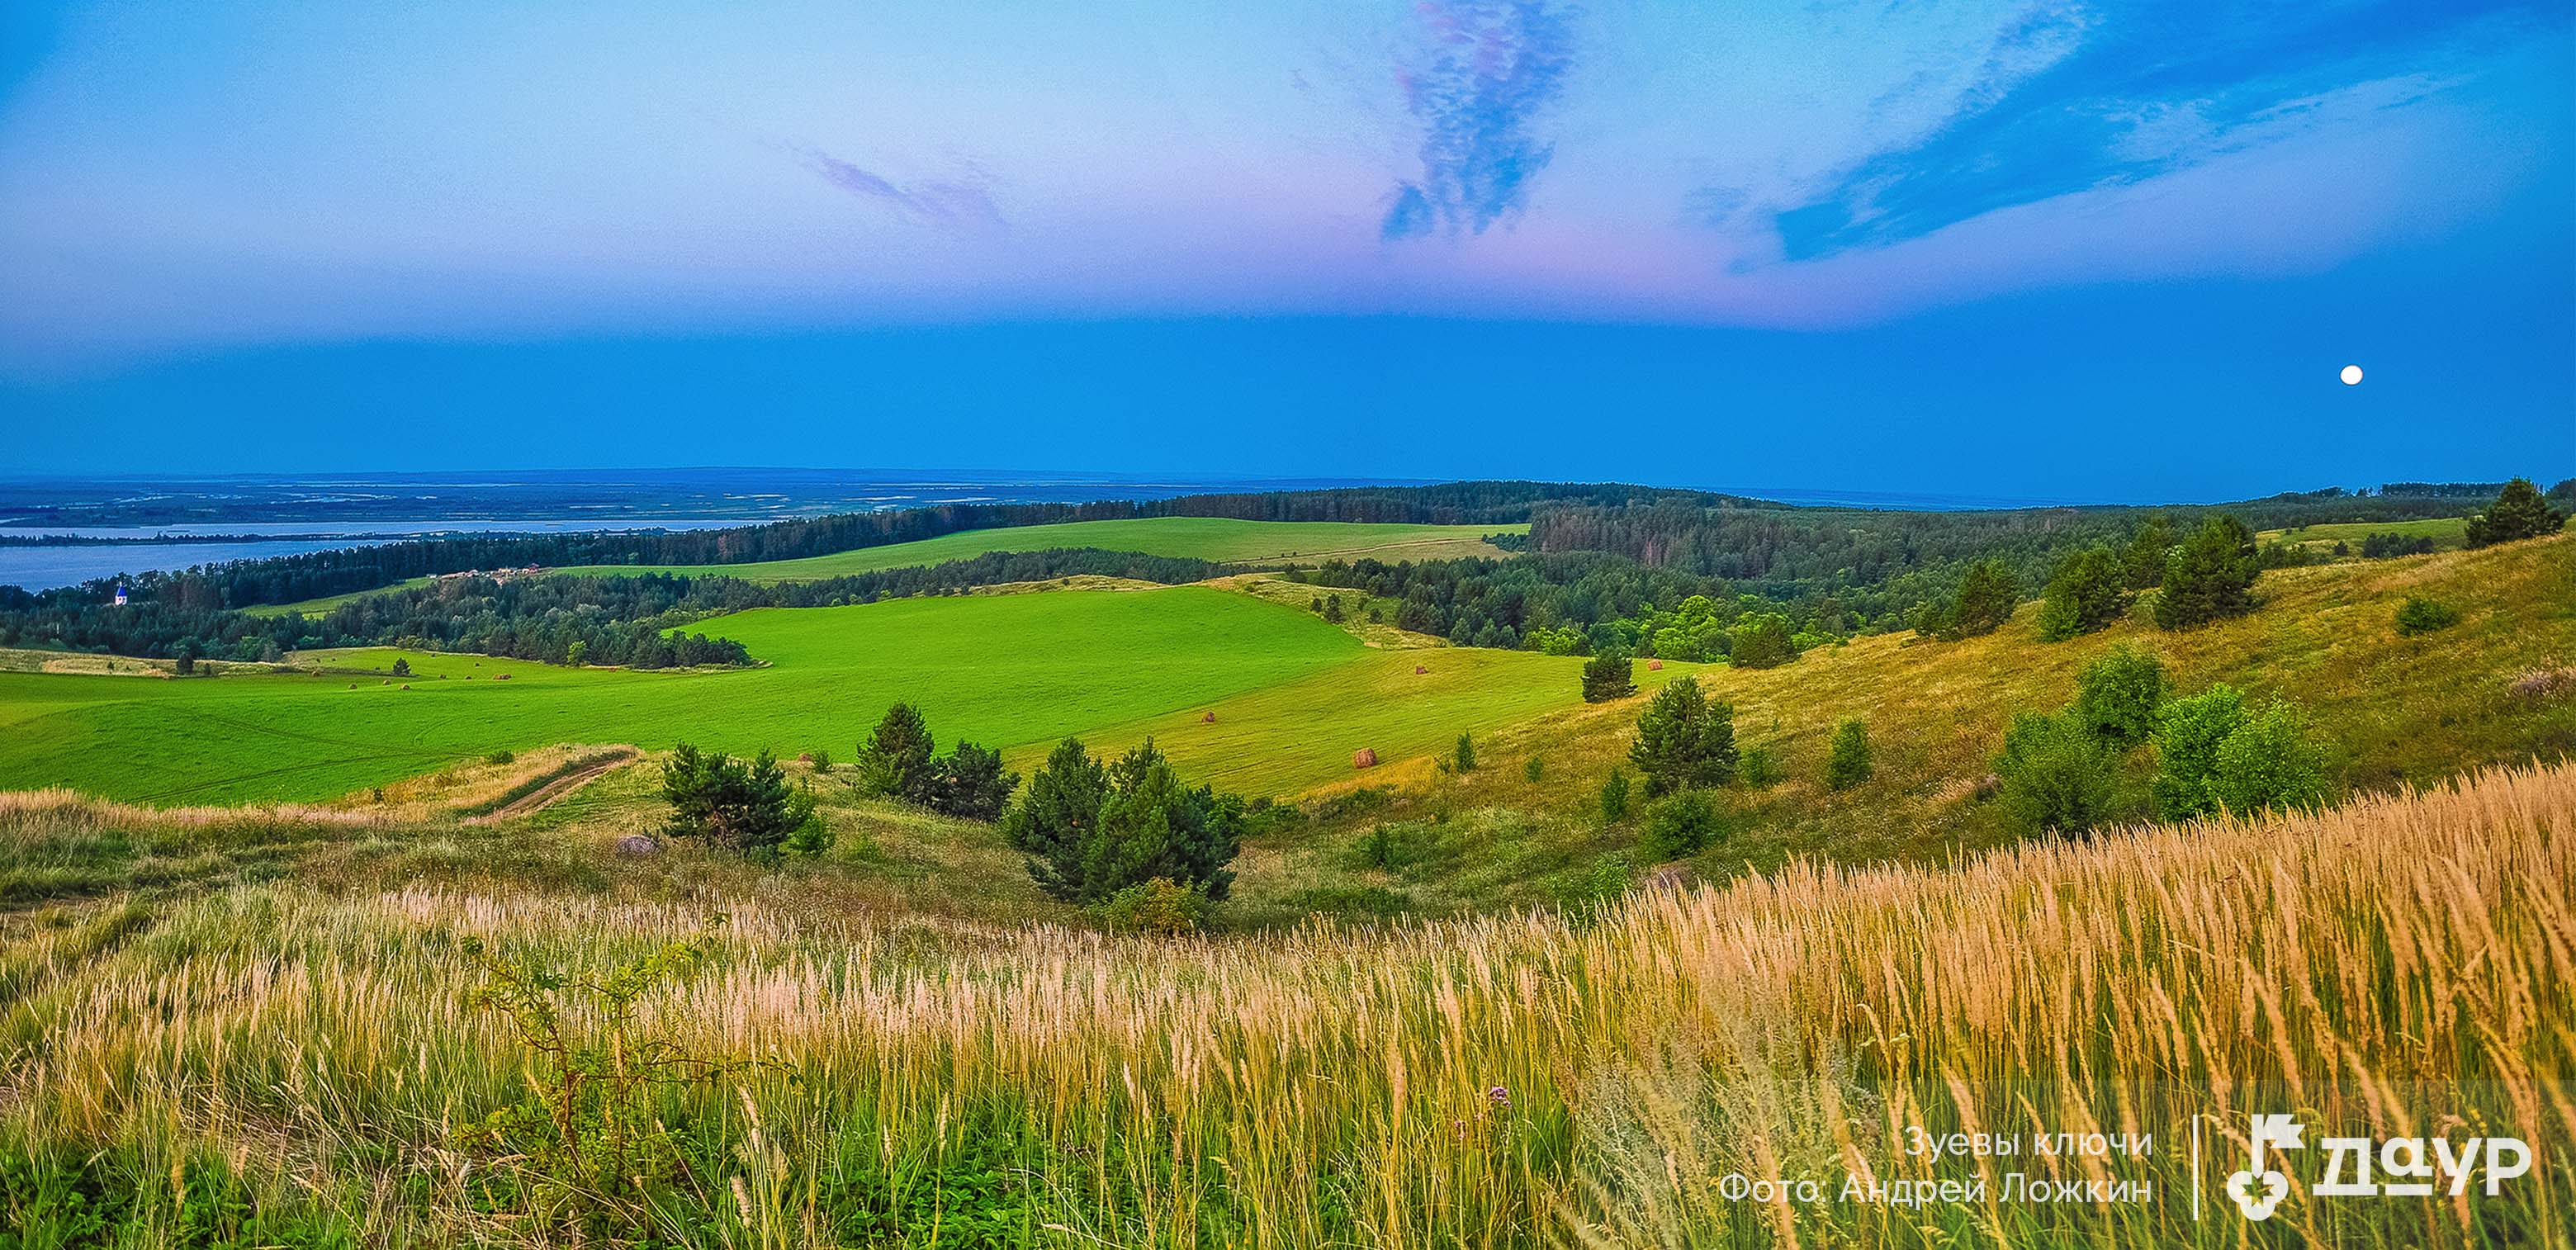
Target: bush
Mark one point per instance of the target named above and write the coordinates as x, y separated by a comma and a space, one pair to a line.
1381, 848
2117, 696
2085, 593
738, 805
1161, 907
502, 757
2057, 777
1609, 675
1464, 757
402, 667
1684, 740
1614, 797
2518, 512
2188, 734
822, 761
2210, 577
1092, 829
2149, 552
1848, 764
2419, 615
1533, 769
2271, 762
1757, 767
1683, 824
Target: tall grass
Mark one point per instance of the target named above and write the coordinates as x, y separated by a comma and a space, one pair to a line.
2400, 966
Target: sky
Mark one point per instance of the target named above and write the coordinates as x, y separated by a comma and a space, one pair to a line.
2113, 251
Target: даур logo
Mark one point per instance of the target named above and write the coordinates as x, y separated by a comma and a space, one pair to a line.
2363, 1167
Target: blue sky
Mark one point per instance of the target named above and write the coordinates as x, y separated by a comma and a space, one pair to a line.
2105, 251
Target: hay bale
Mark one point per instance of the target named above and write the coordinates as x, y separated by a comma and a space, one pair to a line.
1208, 719
1419, 670
804, 757
1364, 758
1654, 666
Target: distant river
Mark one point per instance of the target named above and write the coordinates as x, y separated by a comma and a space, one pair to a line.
44, 568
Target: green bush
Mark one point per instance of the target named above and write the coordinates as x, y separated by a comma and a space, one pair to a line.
1533, 768
502, 757
1986, 599
2519, 511
1683, 824
1848, 763
2188, 734
1381, 848
2118, 694
1092, 829
2057, 776
1463, 758
1161, 907
2419, 615
1761, 640
2271, 762
1757, 767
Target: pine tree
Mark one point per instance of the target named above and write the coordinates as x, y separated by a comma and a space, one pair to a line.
1609, 675
2518, 512
1849, 763
1987, 596
1684, 740
2149, 549
2210, 577
2084, 594
896, 760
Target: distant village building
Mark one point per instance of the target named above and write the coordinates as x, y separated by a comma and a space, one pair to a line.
120, 594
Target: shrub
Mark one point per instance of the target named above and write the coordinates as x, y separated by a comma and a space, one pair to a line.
502, 757
1848, 764
1463, 758
2419, 615
1161, 907
1683, 824
2210, 577
1684, 740
588, 1146
2188, 734
2057, 776
739, 805
402, 667
1381, 848
1757, 767
2518, 512
1091, 830
1609, 675
822, 761
2271, 761
1614, 797
2117, 696
1533, 769
2084, 594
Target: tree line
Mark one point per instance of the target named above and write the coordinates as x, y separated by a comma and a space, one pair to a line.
557, 619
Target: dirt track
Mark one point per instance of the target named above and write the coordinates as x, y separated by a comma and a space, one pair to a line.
559, 787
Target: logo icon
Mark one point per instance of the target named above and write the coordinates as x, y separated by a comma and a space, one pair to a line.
2258, 1190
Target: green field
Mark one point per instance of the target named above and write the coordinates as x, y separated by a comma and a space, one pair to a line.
1294, 695
2448, 533
1217, 539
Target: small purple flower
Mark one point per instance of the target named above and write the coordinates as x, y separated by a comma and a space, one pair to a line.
1499, 1096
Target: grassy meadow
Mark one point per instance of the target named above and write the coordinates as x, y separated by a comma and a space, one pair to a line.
285, 1051
2447, 533
1220, 540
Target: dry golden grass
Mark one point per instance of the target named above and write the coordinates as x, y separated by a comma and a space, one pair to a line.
2377, 968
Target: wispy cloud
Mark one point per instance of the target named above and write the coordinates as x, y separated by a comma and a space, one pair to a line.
2074, 100
960, 205
1476, 81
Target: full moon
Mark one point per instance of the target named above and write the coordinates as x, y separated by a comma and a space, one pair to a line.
2352, 375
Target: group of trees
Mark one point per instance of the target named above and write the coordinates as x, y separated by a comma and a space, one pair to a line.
2519, 512
1092, 829
2209, 576
2066, 772
745, 806
899, 760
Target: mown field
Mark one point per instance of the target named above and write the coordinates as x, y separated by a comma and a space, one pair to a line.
285, 1048
1218, 539
2447, 533
1294, 698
